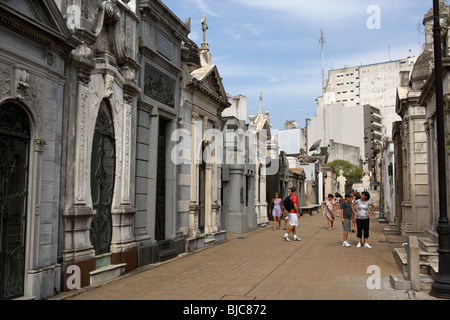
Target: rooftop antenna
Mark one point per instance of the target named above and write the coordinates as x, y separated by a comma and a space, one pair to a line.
322, 42
419, 29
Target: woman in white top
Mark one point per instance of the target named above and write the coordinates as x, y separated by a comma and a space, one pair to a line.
361, 208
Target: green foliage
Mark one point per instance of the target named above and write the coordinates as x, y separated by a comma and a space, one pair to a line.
352, 173
447, 143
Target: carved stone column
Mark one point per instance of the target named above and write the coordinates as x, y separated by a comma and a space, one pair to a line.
209, 228
194, 210
39, 146
77, 218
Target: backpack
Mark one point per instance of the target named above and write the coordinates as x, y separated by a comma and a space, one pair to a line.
287, 203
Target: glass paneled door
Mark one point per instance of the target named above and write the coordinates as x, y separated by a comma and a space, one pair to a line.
103, 161
14, 157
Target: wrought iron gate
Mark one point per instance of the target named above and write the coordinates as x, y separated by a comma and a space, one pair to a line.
102, 180
14, 157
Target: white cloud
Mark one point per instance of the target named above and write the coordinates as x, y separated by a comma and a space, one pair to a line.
306, 9
202, 6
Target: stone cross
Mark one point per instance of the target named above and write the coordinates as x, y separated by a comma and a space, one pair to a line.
204, 28
260, 102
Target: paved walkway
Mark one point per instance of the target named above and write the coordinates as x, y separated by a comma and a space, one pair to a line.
260, 265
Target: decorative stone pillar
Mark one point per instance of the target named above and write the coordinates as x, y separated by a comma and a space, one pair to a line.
77, 218
194, 210
39, 146
209, 228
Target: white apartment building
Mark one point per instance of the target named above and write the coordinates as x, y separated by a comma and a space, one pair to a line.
340, 113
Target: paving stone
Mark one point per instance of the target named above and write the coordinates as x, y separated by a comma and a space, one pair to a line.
260, 265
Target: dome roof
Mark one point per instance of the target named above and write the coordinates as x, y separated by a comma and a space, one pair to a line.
422, 69
193, 58
430, 14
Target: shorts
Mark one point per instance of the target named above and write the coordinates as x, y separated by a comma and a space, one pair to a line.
276, 212
346, 225
293, 219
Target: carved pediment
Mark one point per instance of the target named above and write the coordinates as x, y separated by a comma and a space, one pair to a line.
35, 10
40, 20
213, 83
208, 80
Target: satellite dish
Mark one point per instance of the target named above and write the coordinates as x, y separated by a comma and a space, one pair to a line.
316, 145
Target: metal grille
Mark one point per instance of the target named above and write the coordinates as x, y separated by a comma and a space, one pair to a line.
102, 180
14, 154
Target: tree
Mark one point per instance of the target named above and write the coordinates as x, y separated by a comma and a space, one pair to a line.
352, 173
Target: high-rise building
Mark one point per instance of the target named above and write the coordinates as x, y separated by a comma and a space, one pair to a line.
358, 102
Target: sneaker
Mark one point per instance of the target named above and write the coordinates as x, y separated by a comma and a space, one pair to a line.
358, 245
368, 246
297, 239
346, 244
286, 238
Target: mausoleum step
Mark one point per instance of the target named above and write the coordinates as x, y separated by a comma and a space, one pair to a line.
167, 254
107, 273
209, 242
428, 262
401, 258
390, 231
425, 282
428, 245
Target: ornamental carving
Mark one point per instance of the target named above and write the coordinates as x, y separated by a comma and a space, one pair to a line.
22, 77
30, 88
112, 13
5, 80
159, 87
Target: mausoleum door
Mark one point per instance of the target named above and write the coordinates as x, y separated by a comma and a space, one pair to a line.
102, 180
14, 166
202, 195
160, 221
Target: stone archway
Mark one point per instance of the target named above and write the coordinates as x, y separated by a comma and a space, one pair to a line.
15, 137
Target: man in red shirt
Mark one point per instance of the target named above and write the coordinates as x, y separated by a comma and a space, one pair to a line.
294, 214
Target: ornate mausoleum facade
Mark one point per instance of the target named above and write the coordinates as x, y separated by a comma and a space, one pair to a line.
93, 98
34, 45
97, 185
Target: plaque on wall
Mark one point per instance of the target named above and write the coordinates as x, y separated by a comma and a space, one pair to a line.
159, 86
165, 46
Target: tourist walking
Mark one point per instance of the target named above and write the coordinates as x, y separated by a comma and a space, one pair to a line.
294, 214
355, 196
361, 210
286, 218
277, 210
347, 215
339, 200
330, 206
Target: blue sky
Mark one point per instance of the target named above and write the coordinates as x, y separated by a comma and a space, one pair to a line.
273, 45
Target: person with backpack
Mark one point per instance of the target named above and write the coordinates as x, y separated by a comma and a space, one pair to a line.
291, 205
